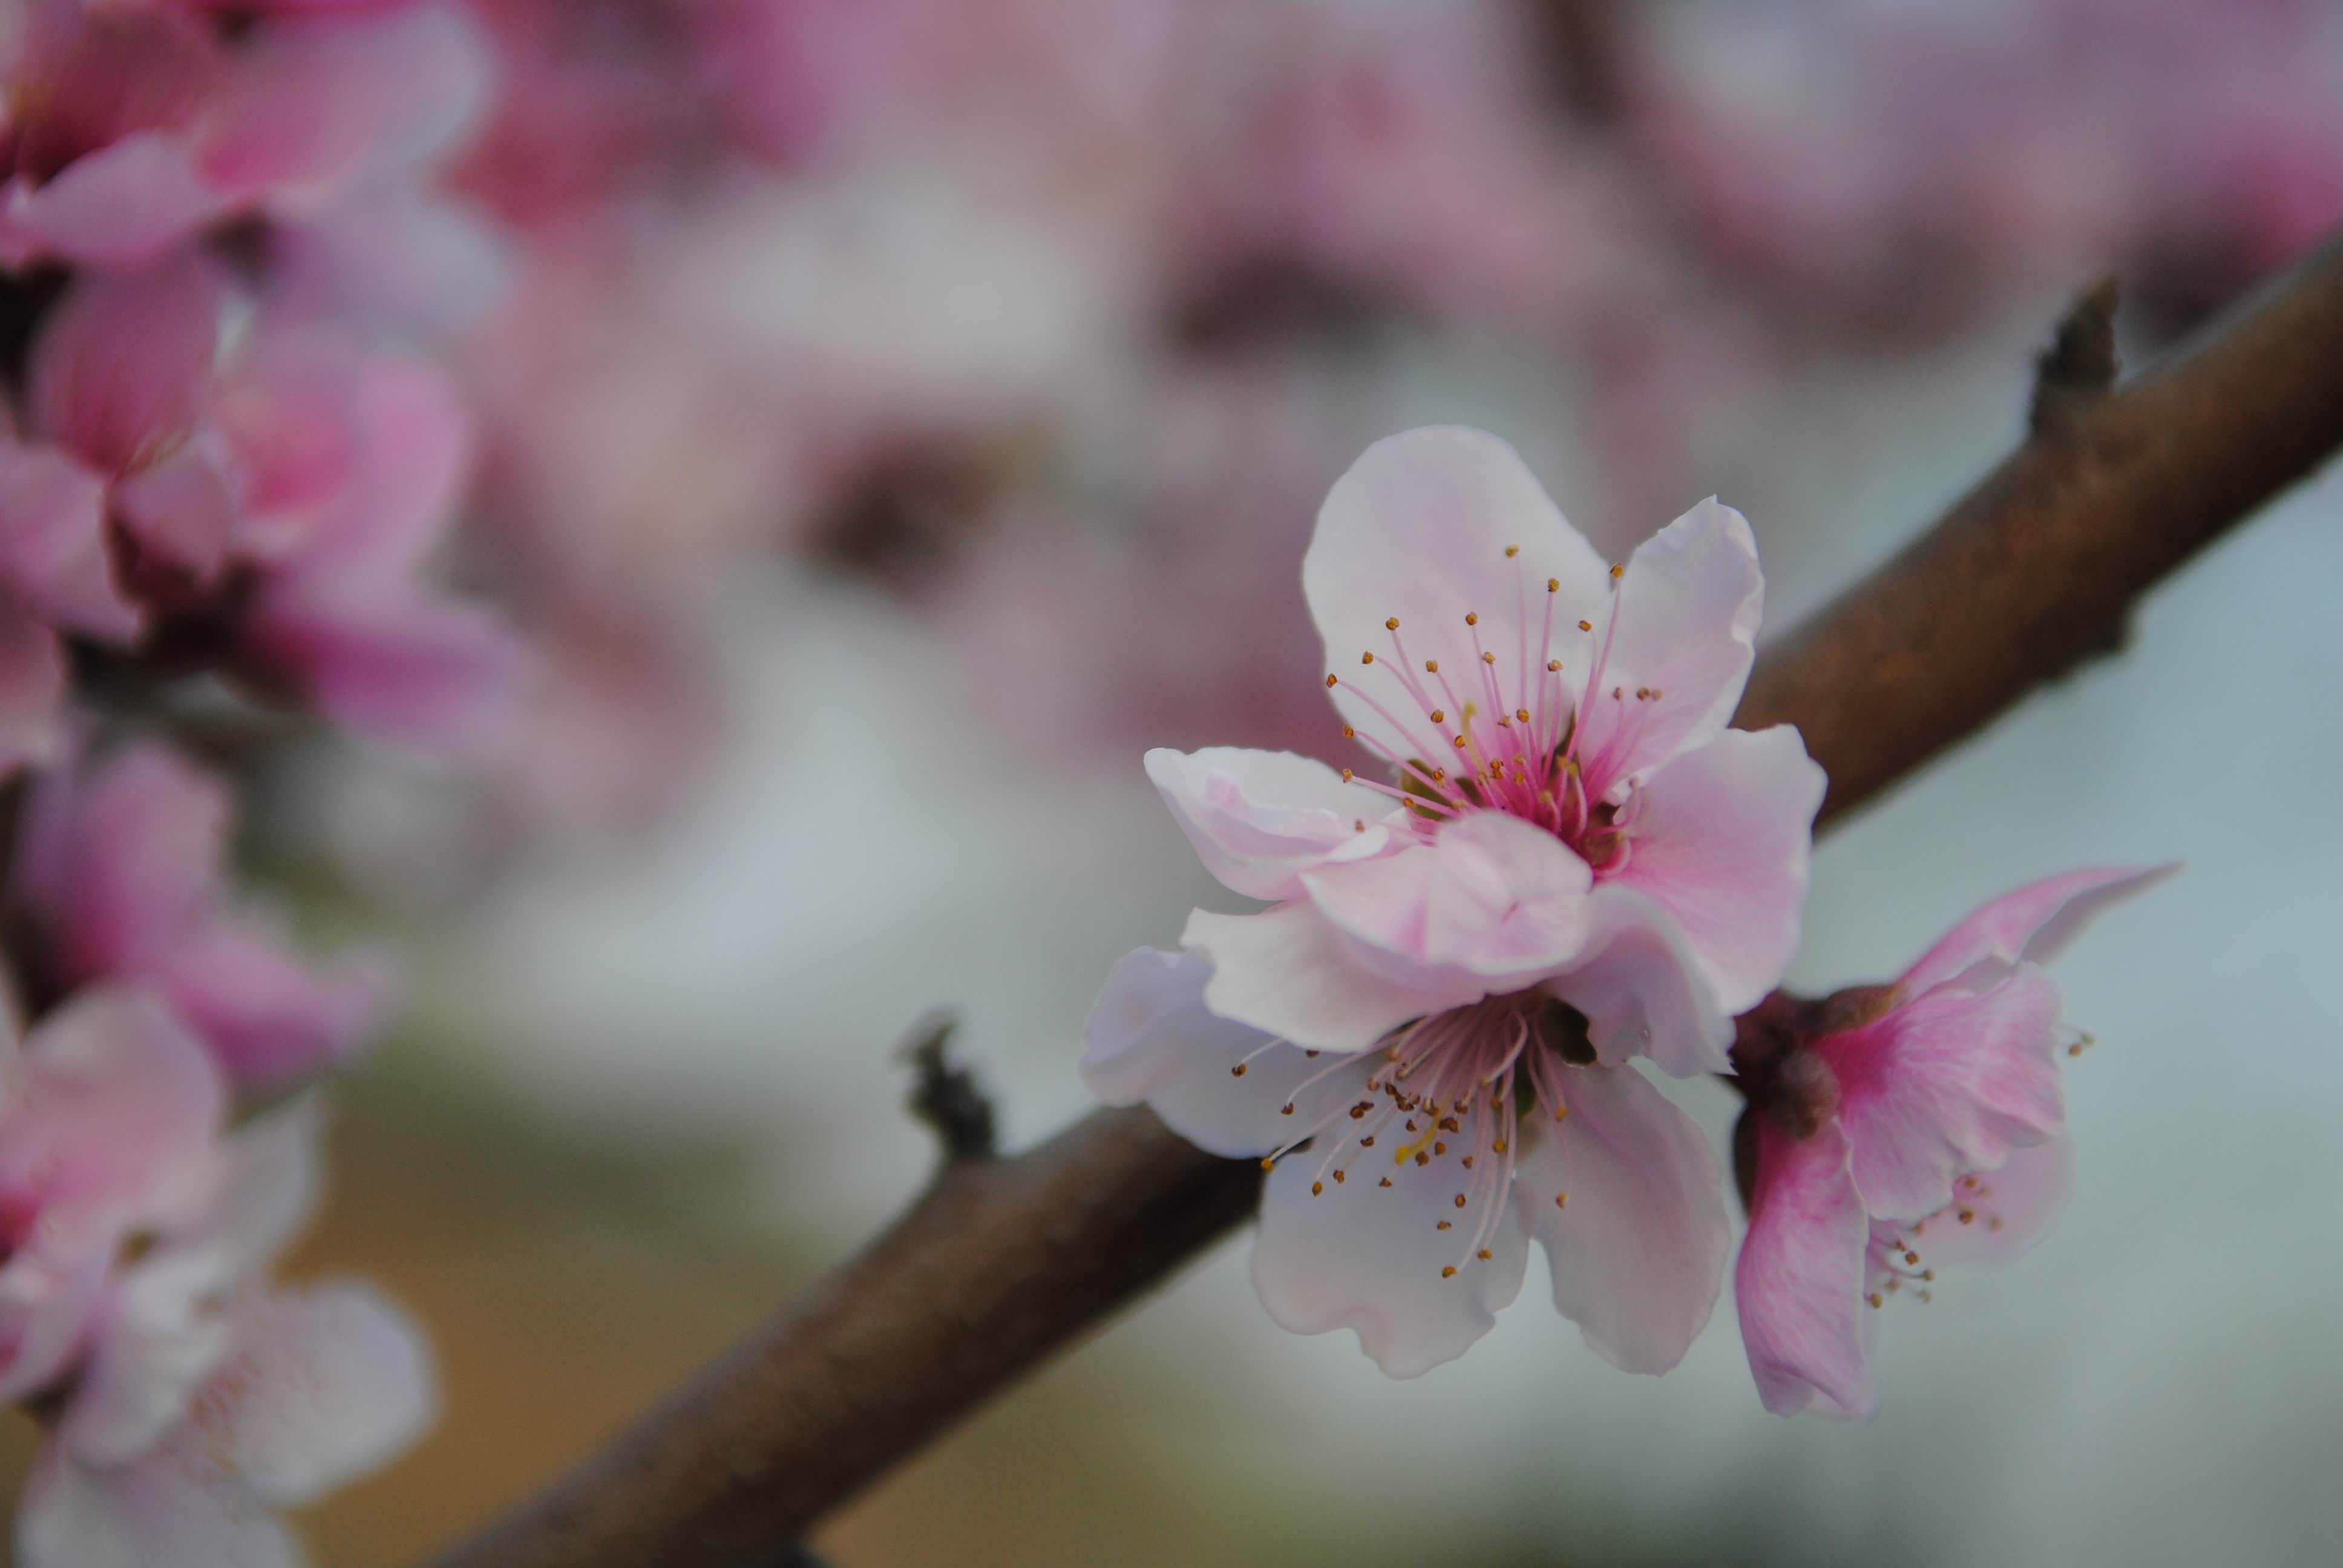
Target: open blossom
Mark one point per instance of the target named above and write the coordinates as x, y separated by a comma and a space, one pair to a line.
120, 866
182, 1402
1889, 1120
1428, 1035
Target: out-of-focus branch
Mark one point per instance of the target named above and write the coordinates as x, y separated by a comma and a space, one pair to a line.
1004, 1260
2037, 568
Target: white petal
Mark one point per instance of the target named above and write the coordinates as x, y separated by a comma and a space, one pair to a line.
1643, 989
1289, 971
1150, 1038
1638, 1251
161, 1337
325, 1384
1260, 818
1722, 842
1688, 610
170, 1509
1418, 530
268, 1187
1362, 1256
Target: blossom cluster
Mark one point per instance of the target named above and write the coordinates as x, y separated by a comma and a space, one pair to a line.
224, 474
1557, 857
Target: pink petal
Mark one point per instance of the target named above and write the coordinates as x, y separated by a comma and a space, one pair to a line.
176, 516
31, 687
172, 1507
288, 415
2010, 1208
1948, 1084
267, 1016
1637, 1253
1148, 1038
121, 371
116, 1108
2032, 925
1362, 1256
118, 858
1688, 608
1722, 843
325, 1384
1260, 818
117, 207
51, 1291
1643, 989
1492, 904
1288, 971
1418, 529
386, 659
412, 456
52, 550
1800, 1282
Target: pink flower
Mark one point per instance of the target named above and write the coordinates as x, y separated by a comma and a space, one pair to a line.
313, 1389
108, 1130
131, 130
1578, 864
1887, 1117
120, 866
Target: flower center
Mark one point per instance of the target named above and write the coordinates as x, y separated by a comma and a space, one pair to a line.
1445, 1100
1505, 734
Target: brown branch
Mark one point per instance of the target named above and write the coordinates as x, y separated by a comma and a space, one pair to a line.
1005, 1261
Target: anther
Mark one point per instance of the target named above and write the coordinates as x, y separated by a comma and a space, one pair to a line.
1460, 1199
1316, 1188
1349, 733
1358, 824
1384, 1182
1967, 1216
1368, 1141
1553, 666
1391, 624
1522, 714
1287, 1109
1366, 659
1472, 618
1488, 659
1448, 1272
1269, 1164
1439, 1148
1442, 1225
1617, 572
1237, 1071
1333, 681
1512, 550
1439, 715
1486, 1254
1468, 1163
1460, 743
1877, 1299
1362, 1109
1338, 1175
1561, 1199
1587, 625
1553, 585
1346, 776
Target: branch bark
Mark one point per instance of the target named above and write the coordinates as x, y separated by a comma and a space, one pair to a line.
1004, 1260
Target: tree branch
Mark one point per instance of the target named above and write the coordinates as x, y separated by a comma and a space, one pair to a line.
1004, 1260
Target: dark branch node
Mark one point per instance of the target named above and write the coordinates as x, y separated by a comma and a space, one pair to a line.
2078, 369
947, 1098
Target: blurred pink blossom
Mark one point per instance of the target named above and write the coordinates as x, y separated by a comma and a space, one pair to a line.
121, 865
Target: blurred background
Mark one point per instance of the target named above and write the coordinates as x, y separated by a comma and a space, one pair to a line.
894, 416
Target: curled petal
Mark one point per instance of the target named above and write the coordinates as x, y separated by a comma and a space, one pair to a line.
1722, 843
2033, 924
53, 553
267, 1016
1672, 672
1490, 905
1418, 530
1799, 1284
1289, 973
121, 369
1949, 1084
1643, 989
1638, 1251
1355, 1254
387, 659
119, 206
1260, 818
1150, 1039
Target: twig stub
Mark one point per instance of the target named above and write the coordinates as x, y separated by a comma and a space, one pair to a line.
2078, 369
948, 1098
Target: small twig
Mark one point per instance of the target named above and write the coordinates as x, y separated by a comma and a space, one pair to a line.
947, 1098
2077, 370
1005, 1261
